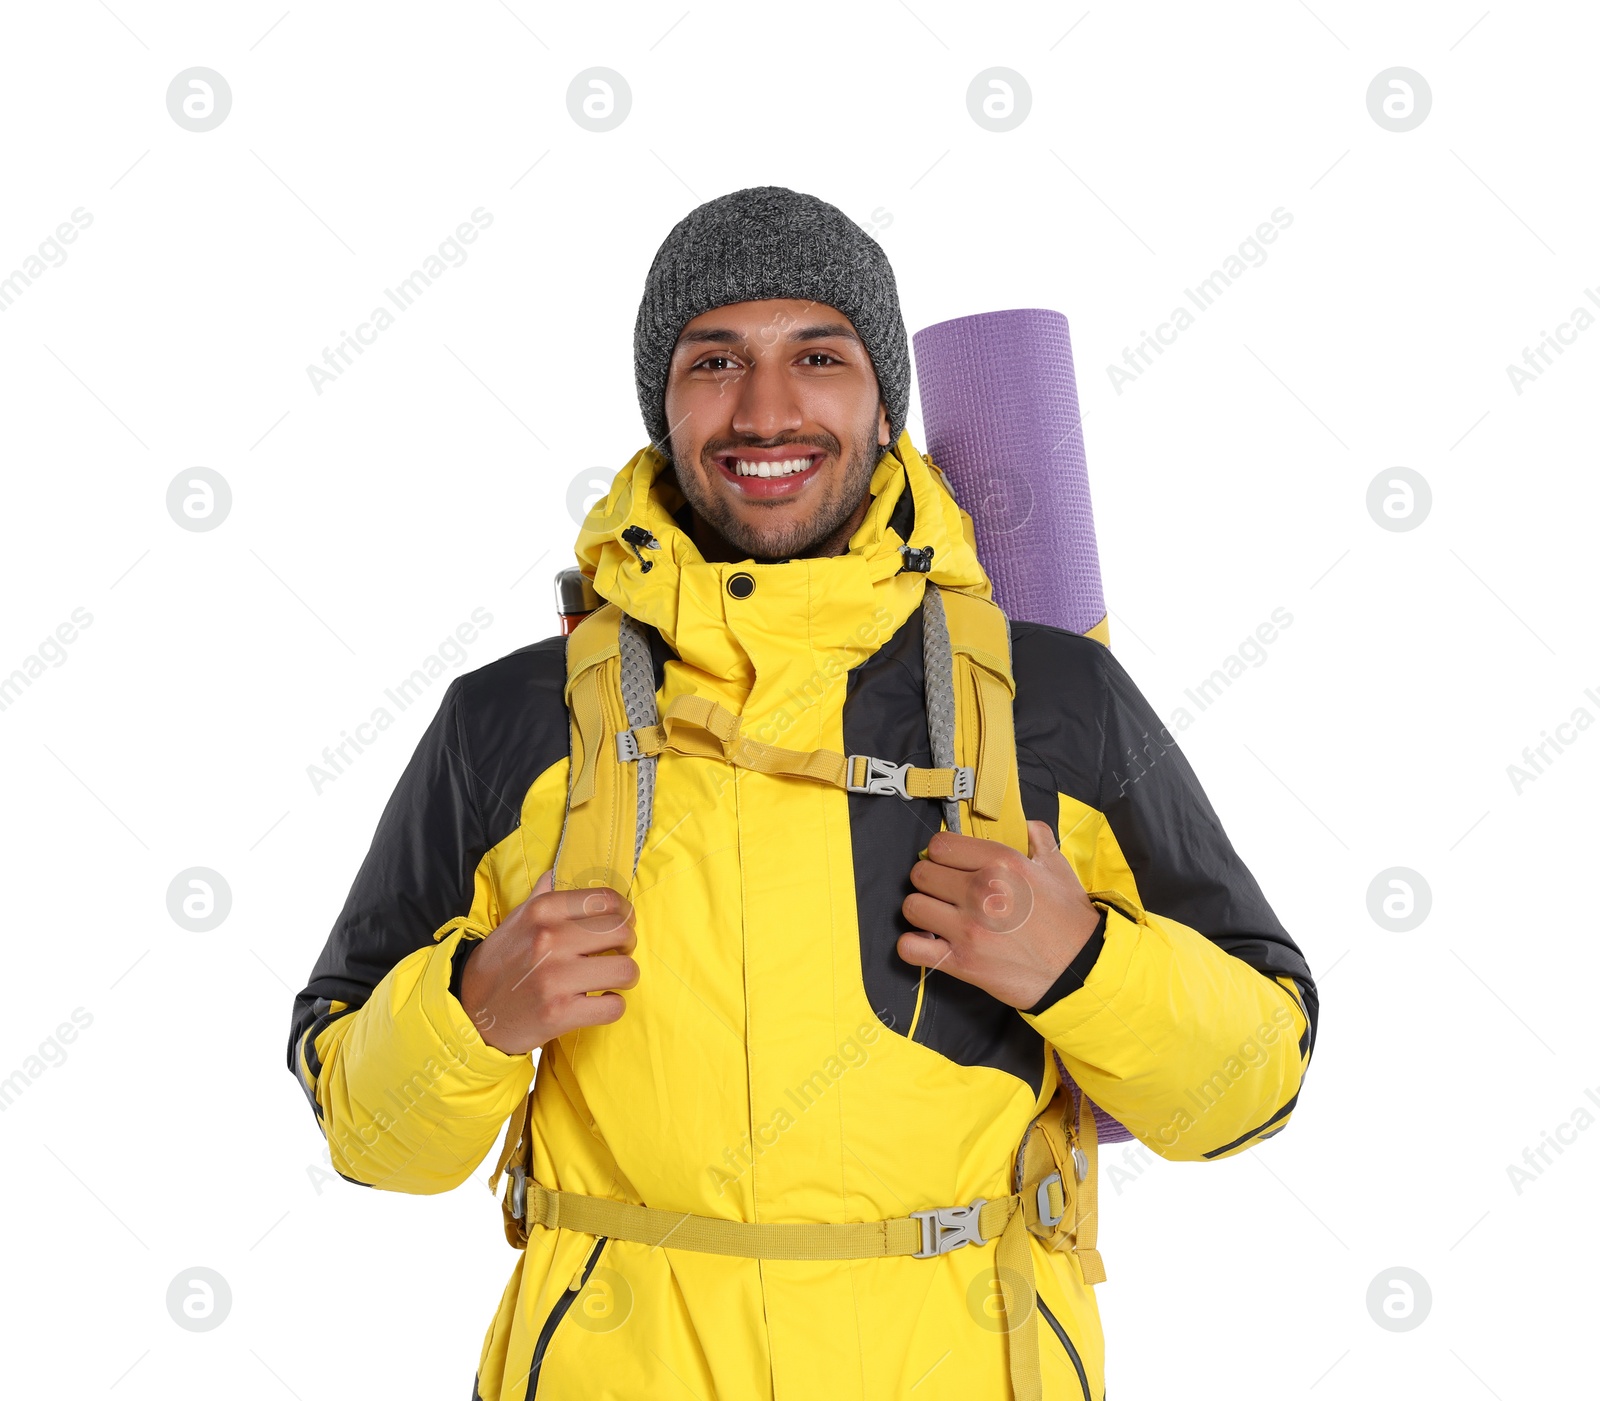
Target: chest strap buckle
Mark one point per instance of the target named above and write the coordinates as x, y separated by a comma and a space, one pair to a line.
879, 776
946, 1227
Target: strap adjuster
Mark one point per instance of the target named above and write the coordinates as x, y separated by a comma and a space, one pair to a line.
627, 746
1046, 1217
965, 782
946, 1227
519, 1192
882, 776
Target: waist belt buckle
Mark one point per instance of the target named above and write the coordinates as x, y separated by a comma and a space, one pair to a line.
889, 779
946, 1227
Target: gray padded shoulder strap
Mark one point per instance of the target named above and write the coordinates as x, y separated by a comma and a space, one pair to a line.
939, 692
639, 701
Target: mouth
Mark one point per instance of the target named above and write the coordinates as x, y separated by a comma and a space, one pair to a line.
766, 473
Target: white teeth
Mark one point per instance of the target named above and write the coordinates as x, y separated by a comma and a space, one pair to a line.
771, 469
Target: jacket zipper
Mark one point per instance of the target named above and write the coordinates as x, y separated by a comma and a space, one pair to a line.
560, 1311
1066, 1342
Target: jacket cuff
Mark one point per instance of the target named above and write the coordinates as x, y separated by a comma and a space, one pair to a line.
458, 963
1076, 973
473, 1058
1059, 1020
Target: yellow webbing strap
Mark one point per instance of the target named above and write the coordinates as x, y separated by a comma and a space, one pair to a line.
591, 646
783, 1240
980, 646
1087, 1216
994, 727
698, 727
597, 838
1013, 1265
513, 1140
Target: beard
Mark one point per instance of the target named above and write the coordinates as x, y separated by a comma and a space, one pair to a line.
784, 539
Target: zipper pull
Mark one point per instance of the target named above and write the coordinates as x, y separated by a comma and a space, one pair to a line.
577, 1281
1069, 1122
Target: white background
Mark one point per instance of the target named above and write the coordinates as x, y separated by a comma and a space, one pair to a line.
431, 479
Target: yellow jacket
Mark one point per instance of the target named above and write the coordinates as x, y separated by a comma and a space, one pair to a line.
767, 1067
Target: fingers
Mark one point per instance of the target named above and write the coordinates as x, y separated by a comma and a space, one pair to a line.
545, 883
596, 909
963, 853
931, 952
1043, 849
586, 975
576, 938
596, 906
1041, 840
925, 951
934, 916
588, 1011
997, 896
947, 883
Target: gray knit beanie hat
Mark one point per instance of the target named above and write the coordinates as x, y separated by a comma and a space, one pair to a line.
761, 243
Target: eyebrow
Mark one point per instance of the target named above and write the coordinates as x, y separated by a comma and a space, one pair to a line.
818, 332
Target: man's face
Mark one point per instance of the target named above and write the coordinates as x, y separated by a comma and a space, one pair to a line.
784, 388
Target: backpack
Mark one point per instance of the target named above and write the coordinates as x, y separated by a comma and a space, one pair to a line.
617, 734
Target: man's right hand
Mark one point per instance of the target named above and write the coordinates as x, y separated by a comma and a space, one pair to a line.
525, 984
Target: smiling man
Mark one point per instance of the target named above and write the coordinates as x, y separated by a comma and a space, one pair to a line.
825, 901
780, 372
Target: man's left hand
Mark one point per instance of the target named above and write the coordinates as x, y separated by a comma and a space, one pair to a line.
1007, 923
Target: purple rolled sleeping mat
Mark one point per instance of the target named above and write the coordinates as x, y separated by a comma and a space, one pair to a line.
1000, 419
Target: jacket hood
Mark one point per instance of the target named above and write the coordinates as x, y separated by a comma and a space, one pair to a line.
844, 606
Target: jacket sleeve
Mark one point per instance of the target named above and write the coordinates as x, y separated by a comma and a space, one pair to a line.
408, 1094
1191, 1014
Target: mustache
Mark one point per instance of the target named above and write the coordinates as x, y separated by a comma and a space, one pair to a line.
715, 447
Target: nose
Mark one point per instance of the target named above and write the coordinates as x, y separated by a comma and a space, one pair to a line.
767, 405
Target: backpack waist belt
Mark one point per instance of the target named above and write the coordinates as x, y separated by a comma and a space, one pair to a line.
922, 1235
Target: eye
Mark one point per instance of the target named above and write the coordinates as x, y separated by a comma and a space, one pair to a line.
707, 362
823, 355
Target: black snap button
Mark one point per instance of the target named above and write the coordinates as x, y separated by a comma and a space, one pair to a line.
741, 585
